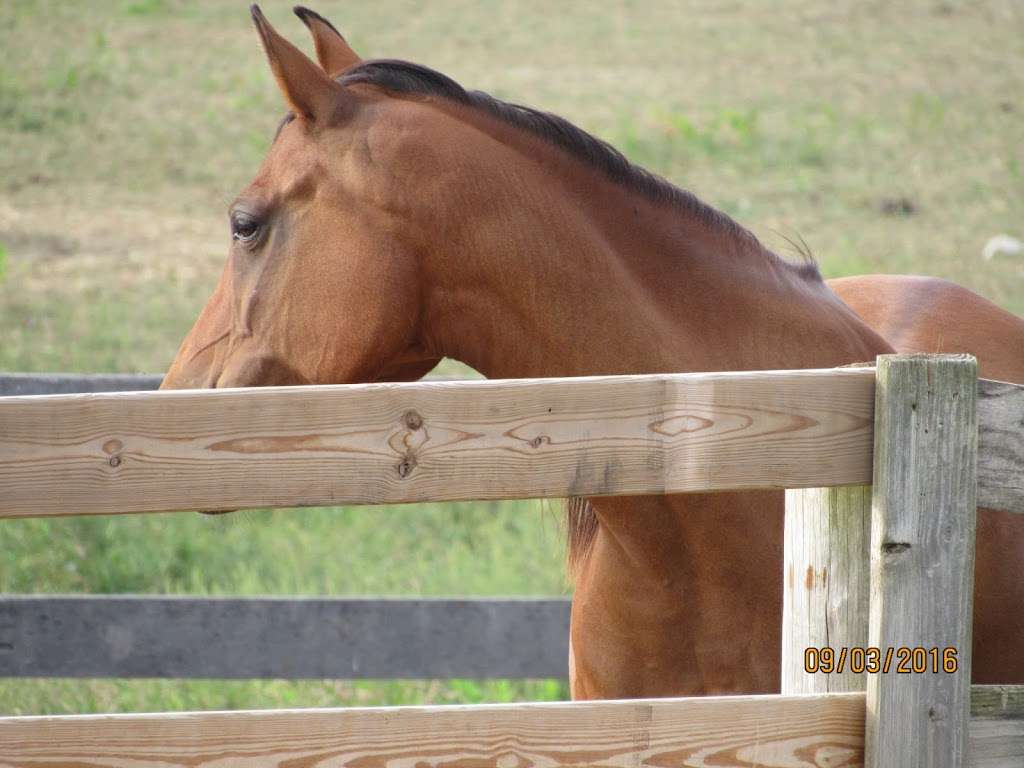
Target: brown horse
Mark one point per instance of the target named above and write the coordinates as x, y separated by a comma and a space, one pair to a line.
399, 219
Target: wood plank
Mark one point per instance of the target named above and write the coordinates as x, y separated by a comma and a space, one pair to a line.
825, 584
826, 731
184, 637
996, 743
922, 557
385, 443
1001, 446
765, 731
997, 726
1000, 405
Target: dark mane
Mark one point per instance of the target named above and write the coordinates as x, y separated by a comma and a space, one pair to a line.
405, 78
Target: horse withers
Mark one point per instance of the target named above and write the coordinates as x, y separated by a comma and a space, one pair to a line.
399, 219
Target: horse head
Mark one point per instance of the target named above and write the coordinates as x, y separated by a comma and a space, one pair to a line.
320, 281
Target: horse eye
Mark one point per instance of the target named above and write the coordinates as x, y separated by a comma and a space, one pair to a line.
244, 228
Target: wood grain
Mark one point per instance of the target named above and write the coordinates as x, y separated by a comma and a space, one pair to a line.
1001, 446
384, 443
137, 452
997, 726
744, 731
825, 731
826, 583
188, 637
922, 556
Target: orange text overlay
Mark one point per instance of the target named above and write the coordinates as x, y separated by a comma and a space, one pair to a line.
902, 660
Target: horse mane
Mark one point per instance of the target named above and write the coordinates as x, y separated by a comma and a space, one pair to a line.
581, 530
403, 77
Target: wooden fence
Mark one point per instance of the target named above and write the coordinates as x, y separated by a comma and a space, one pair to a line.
932, 437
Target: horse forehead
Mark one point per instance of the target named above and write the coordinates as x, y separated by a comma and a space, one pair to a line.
294, 158
293, 162
384, 119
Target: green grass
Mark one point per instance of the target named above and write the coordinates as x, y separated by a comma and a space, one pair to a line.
127, 126
75, 696
485, 548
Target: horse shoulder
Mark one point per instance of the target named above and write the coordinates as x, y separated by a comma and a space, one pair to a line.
928, 314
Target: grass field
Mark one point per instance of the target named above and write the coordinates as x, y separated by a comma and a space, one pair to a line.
888, 135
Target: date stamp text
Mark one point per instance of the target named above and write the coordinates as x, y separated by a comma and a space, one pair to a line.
903, 660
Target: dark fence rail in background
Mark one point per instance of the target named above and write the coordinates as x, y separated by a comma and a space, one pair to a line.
72, 383
127, 636
77, 383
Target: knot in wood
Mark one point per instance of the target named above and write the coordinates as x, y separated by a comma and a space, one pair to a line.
895, 547
114, 461
406, 466
412, 420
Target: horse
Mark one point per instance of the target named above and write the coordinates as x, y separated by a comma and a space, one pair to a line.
398, 219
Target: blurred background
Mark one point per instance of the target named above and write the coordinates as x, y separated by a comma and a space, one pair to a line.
888, 135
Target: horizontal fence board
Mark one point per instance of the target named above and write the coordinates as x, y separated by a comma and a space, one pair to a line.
767, 731
996, 743
1000, 446
997, 726
598, 448
770, 732
186, 637
381, 443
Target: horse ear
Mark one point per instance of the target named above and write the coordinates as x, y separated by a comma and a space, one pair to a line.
306, 87
333, 53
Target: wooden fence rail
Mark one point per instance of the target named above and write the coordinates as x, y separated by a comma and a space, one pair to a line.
433, 441
393, 443
825, 731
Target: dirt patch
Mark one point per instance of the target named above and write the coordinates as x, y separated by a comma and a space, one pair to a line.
136, 237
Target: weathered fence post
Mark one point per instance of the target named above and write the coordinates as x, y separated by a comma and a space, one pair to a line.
922, 560
825, 587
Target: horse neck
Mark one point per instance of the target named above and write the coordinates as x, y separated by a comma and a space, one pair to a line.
581, 276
